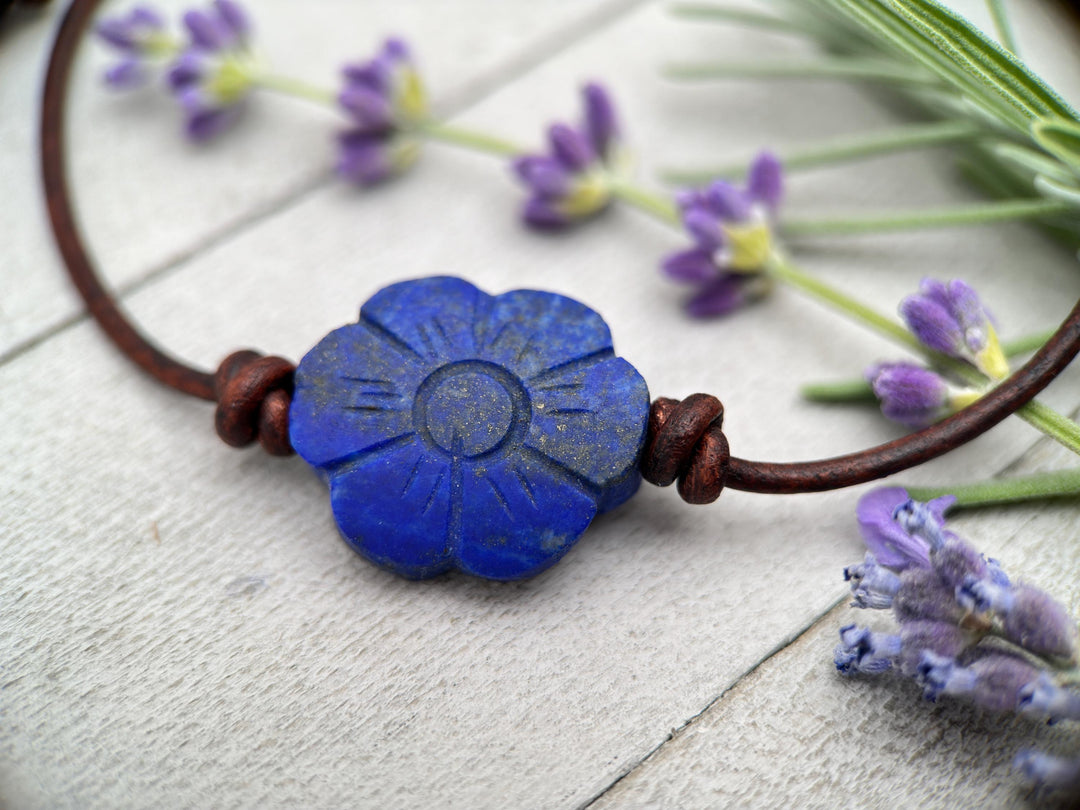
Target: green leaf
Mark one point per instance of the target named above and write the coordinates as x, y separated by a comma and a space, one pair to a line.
902, 34
1064, 192
1060, 138
983, 58
1036, 162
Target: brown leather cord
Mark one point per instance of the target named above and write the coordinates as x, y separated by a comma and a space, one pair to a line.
165, 368
684, 443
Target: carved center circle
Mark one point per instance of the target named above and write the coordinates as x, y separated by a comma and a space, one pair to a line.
471, 408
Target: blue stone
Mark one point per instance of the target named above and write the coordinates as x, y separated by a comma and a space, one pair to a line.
459, 430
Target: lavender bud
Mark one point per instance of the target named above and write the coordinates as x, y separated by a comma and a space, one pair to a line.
908, 393
866, 652
601, 124
940, 638
923, 521
694, 266
956, 561
922, 595
993, 681
765, 181
872, 585
1040, 625
1045, 698
1049, 773
570, 148
983, 596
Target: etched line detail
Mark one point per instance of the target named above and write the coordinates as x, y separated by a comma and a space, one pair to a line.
365, 380
498, 335
372, 408
434, 491
499, 496
566, 386
412, 475
526, 486
442, 331
572, 366
563, 411
389, 336
425, 335
524, 350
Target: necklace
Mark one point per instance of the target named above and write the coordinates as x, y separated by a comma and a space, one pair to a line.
458, 430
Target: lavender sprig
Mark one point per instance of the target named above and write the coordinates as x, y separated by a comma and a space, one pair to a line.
950, 601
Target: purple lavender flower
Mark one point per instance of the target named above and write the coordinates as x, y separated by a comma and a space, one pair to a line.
893, 545
1050, 774
140, 37
215, 73
385, 101
865, 652
873, 586
572, 181
950, 318
995, 680
1044, 697
923, 596
909, 394
732, 229
1030, 617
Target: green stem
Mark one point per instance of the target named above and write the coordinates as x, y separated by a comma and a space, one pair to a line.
859, 390
1058, 427
1026, 343
785, 271
1057, 484
1002, 25
469, 139
1052, 423
650, 202
742, 16
288, 86
976, 214
838, 150
846, 68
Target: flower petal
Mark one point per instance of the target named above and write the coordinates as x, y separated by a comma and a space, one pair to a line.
128, 72
704, 227
722, 295
363, 158
590, 419
542, 214
570, 147
208, 33
394, 505
765, 180
601, 125
520, 515
546, 176
727, 202
694, 266
885, 538
530, 333
353, 392
369, 109
430, 319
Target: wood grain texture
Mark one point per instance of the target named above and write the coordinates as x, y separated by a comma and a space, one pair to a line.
180, 620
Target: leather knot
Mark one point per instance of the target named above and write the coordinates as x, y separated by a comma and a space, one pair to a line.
253, 397
685, 442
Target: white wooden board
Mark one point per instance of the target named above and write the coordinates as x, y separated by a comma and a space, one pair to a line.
181, 626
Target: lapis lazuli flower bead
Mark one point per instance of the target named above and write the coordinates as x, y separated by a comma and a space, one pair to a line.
459, 430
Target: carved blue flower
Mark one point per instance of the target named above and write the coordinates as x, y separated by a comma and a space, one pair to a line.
459, 430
